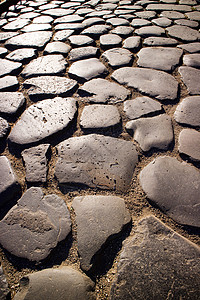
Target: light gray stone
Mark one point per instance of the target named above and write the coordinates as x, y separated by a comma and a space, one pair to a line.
146, 14
7, 35
140, 23
57, 48
16, 25
163, 22
123, 31
159, 41
23, 55
110, 40
132, 43
11, 102
35, 225
173, 7
8, 83
182, 200
3, 52
150, 31
69, 19
173, 15
191, 78
57, 12
194, 15
4, 128
191, 47
69, 26
192, 60
118, 57
185, 22
80, 40
42, 20
83, 53
62, 35
96, 161
8, 67
184, 33
117, 22
189, 143
96, 30
36, 27
187, 112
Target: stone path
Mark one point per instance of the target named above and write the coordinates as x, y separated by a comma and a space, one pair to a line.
100, 150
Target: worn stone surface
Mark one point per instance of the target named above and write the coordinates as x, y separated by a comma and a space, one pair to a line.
4, 290
136, 23
83, 53
110, 40
180, 198
184, 33
188, 23
188, 110
43, 119
173, 15
163, 22
23, 55
118, 57
192, 60
191, 47
35, 160
3, 52
16, 24
96, 161
8, 83
132, 43
154, 261
96, 30
189, 143
11, 102
160, 41
123, 31
62, 35
60, 283
101, 91
80, 41
9, 67
4, 128
57, 48
191, 78
7, 35
34, 226
150, 31
98, 218
36, 27
117, 22
151, 82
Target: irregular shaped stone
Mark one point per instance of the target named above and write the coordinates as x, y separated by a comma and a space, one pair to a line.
36, 27
4, 128
57, 12
92, 21
43, 119
173, 15
194, 15
96, 161
140, 23
83, 53
154, 262
67, 26
43, 86
9, 185
175, 7
62, 35
57, 48
154, 83
118, 57
99, 116
23, 55
123, 31
110, 40
187, 112
69, 19
80, 40
3, 52
96, 30
117, 22
35, 225
163, 22
16, 25
42, 20
183, 33
132, 43
140, 107
159, 41
11, 102
60, 283
150, 31
8, 83
191, 47
30, 39
87, 69
102, 91
182, 200
192, 60
9, 67
35, 159
83, 11
146, 14
45, 65
4, 290
160, 58
189, 143
98, 218
7, 35
29, 15
188, 23
155, 132
191, 78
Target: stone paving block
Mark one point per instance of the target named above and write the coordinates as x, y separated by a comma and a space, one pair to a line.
191, 47
188, 23
4, 290
83, 53
11, 102
173, 15
132, 43
188, 110
189, 143
36, 27
4, 128
159, 41
137, 23
146, 14
117, 22
23, 55
69, 19
92, 21
191, 78
150, 31
192, 60
42, 120
118, 57
110, 40
42, 20
8, 67
69, 26
155, 261
7, 35
8, 83
3, 52
60, 283
35, 225
123, 31
96, 161
57, 48
154, 83
183, 33
173, 7
182, 200
80, 40
98, 218
96, 30
16, 25
162, 22
57, 12
62, 35
194, 15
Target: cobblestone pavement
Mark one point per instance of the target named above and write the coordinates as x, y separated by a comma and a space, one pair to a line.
100, 150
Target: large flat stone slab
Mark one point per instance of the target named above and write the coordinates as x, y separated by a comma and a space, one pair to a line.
57, 48
118, 57
154, 83
188, 110
189, 143
156, 262
97, 218
23, 55
184, 33
192, 60
43, 119
164, 6
191, 78
191, 47
182, 200
83, 53
96, 161
150, 31
8, 67
159, 41
60, 283
35, 225
8, 83
11, 102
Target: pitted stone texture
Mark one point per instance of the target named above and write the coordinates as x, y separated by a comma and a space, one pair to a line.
140, 107
118, 57
188, 23
110, 40
99, 116
150, 31
43, 86
7, 35
194, 15
123, 31
83, 53
42, 120
36, 39
9, 185
156, 261
62, 35
163, 22
146, 14
191, 47
87, 69
4, 290
60, 283
184, 33
96, 30
80, 40
173, 15
102, 91
57, 48
8, 67
174, 187
98, 218
8, 83
16, 25
155, 132
11, 102
35, 159
140, 23
96, 161
187, 112
159, 41
23, 55
45, 65
160, 58
192, 60
189, 143
36, 27
35, 225
191, 78
4, 128
132, 43
154, 83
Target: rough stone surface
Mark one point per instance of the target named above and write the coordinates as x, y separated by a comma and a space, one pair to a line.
183, 33
9, 185
83, 53
4, 290
140, 107
110, 40
62, 35
192, 60
136, 23
154, 83
96, 30
187, 112
57, 48
150, 31
96, 161
118, 57
16, 25
154, 261
4, 128
160, 41
60, 283
80, 41
9, 67
35, 225
101, 91
180, 198
11, 102
123, 31
43, 119
163, 22
132, 43
191, 47
97, 218
35, 159
99, 116
188, 23
22, 55
155, 132
36, 27
191, 78
189, 143
8, 83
